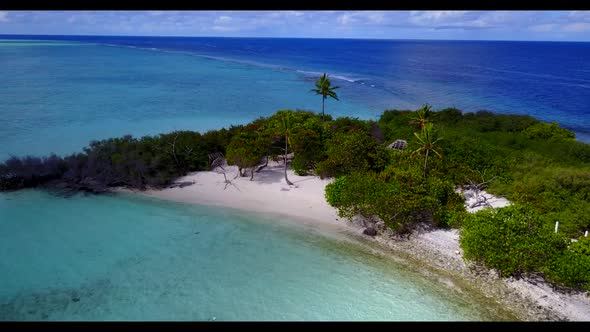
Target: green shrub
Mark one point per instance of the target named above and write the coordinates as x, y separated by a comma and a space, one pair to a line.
244, 151
395, 125
307, 146
557, 193
570, 269
582, 246
334, 192
548, 131
511, 240
347, 125
346, 153
300, 165
399, 195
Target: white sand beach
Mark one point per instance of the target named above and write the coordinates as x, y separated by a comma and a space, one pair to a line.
267, 193
305, 201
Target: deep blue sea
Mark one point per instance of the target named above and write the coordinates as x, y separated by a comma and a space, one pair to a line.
124, 258
57, 95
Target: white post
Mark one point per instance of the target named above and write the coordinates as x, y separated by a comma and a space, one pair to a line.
556, 226
586, 234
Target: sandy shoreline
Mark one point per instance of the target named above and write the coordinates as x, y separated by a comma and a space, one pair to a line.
439, 250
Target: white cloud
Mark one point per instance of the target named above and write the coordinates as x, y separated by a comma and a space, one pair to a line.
289, 13
156, 12
579, 15
221, 28
577, 27
439, 19
455, 19
346, 19
223, 20
84, 18
543, 27
364, 17
389, 24
376, 18
435, 17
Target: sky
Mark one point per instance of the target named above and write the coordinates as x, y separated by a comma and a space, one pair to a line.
450, 25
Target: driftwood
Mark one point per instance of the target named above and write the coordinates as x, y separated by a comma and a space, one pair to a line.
215, 157
480, 200
217, 160
477, 187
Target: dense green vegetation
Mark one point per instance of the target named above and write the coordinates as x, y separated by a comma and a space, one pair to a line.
399, 195
515, 241
539, 167
549, 170
151, 161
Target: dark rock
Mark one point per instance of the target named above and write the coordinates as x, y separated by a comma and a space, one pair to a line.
181, 184
370, 231
358, 221
185, 184
76, 299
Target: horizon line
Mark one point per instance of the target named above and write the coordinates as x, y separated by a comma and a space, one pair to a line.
283, 37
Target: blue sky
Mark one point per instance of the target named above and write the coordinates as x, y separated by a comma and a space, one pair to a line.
484, 25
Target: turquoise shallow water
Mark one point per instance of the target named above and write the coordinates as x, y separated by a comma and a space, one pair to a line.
131, 258
56, 97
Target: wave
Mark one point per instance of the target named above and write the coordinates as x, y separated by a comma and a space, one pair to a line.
131, 46
549, 79
241, 61
338, 76
547, 76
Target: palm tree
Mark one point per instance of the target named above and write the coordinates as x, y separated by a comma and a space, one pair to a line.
427, 142
324, 88
286, 129
422, 116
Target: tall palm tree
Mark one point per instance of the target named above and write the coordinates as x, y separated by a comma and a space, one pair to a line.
422, 116
324, 87
286, 129
427, 143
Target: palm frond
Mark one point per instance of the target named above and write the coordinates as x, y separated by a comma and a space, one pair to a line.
332, 94
419, 137
438, 154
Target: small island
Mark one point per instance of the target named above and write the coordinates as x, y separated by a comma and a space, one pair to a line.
392, 178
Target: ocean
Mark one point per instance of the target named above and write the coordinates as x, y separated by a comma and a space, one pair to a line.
56, 95
127, 258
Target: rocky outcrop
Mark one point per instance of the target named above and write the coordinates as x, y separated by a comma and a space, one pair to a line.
181, 184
